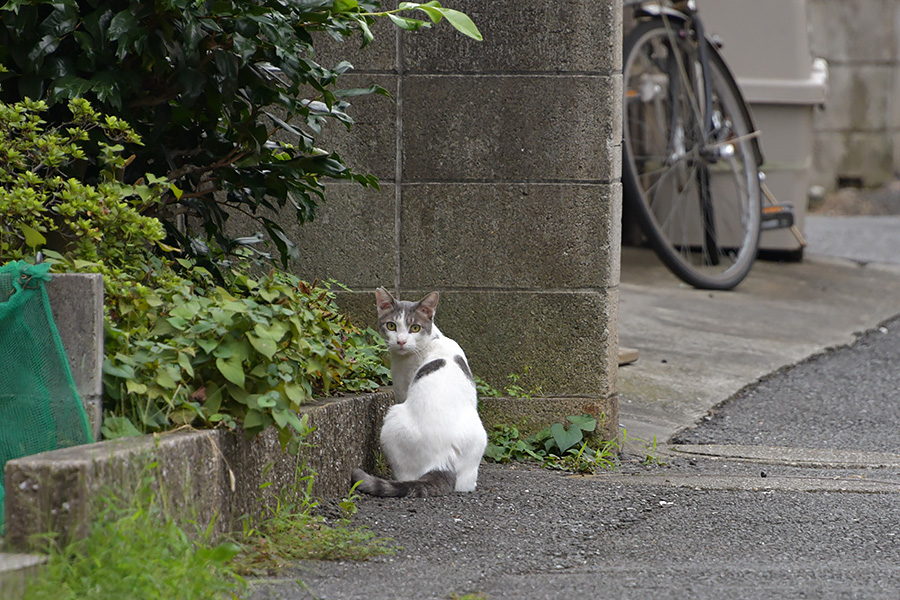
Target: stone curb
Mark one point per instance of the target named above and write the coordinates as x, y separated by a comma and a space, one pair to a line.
203, 474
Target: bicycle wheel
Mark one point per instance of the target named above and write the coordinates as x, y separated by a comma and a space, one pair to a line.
696, 197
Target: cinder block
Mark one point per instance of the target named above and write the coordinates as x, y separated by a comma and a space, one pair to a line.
591, 30
510, 128
353, 238
378, 56
853, 154
845, 31
500, 235
56, 491
15, 571
76, 301
860, 98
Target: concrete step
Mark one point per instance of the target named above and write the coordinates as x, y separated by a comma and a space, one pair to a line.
15, 569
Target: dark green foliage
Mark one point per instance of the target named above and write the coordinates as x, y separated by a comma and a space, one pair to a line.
227, 96
212, 88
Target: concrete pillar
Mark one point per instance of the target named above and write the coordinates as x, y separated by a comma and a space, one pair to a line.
499, 164
76, 300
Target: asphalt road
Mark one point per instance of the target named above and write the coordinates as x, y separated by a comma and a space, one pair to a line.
699, 527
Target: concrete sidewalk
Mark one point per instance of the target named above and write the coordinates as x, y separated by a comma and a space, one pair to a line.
697, 348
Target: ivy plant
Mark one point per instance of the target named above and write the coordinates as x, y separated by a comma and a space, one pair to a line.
247, 356
227, 96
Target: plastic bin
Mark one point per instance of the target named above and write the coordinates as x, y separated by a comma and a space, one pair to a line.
766, 44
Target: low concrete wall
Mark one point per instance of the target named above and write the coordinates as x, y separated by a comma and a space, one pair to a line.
203, 474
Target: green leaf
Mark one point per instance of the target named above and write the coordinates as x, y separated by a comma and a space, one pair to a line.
121, 24
564, 438
364, 27
165, 380
255, 420
295, 393
266, 401
133, 387
344, 6
407, 23
213, 398
33, 237
461, 22
224, 552
231, 370
273, 330
583, 422
118, 427
264, 346
208, 345
185, 361
120, 371
177, 322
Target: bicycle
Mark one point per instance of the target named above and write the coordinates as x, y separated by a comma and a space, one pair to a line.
691, 154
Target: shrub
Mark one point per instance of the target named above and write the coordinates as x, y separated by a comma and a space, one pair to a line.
42, 208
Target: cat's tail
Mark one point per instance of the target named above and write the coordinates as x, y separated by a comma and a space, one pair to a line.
433, 483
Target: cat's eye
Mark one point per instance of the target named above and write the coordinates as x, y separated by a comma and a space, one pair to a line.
415, 328
390, 326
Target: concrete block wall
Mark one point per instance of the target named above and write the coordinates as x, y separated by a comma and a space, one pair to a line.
499, 164
857, 135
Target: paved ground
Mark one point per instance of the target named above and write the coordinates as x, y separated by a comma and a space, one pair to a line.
788, 490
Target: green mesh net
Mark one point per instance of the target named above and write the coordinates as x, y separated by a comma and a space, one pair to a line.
39, 407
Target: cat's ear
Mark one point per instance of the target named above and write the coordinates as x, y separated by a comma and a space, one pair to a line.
384, 302
428, 305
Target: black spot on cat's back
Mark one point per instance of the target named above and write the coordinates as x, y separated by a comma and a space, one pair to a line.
429, 368
461, 362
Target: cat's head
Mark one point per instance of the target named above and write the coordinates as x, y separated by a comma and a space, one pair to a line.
405, 326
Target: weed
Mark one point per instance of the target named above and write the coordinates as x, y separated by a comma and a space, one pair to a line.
651, 457
560, 446
475, 596
135, 549
513, 389
291, 531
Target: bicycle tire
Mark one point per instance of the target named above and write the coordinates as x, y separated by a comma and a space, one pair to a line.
698, 204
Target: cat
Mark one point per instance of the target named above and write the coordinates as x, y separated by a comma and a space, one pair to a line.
433, 437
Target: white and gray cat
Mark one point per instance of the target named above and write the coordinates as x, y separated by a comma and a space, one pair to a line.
433, 437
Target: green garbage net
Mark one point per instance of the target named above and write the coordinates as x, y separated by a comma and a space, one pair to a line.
39, 407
